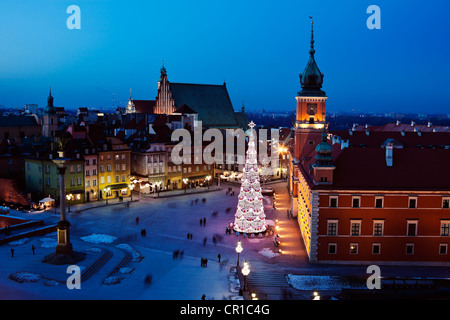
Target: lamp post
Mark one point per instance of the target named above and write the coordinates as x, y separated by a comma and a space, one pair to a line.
245, 273
316, 295
105, 191
185, 181
131, 186
238, 250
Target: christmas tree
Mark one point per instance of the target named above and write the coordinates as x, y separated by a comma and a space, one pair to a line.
250, 217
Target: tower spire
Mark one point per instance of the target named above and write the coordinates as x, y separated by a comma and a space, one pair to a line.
312, 50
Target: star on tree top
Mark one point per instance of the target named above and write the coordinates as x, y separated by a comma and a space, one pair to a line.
251, 124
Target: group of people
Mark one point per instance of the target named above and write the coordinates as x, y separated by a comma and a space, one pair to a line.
230, 192
143, 232
32, 250
178, 253
192, 202
203, 222
203, 262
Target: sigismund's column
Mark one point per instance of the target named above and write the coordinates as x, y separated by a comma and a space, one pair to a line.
64, 245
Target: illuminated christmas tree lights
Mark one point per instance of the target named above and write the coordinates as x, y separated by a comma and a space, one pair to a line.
250, 217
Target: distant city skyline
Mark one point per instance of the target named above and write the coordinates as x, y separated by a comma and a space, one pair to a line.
257, 47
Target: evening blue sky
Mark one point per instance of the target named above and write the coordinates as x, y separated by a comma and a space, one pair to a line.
258, 47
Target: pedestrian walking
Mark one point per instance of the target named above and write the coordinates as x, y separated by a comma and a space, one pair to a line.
137, 220
206, 262
218, 256
202, 262
204, 221
12, 253
214, 240
148, 280
204, 241
203, 297
188, 235
32, 249
201, 222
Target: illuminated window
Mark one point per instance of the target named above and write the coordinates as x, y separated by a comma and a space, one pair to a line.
353, 248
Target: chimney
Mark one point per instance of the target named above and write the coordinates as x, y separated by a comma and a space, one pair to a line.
398, 122
429, 124
389, 155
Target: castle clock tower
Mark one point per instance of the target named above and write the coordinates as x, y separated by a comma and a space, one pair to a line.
311, 107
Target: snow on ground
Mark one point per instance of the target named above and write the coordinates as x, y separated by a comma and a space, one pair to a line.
19, 242
99, 238
24, 277
137, 256
126, 270
268, 253
308, 282
48, 242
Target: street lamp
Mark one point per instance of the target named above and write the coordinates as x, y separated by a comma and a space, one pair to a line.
238, 250
131, 186
105, 191
316, 295
245, 273
185, 181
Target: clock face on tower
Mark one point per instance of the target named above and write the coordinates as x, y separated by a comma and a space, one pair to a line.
311, 108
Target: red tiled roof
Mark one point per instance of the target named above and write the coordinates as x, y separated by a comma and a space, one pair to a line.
409, 139
413, 169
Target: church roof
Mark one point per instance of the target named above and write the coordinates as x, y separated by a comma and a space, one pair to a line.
18, 121
185, 109
144, 106
211, 102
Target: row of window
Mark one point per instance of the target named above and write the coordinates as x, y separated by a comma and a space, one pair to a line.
379, 202
378, 228
109, 179
376, 248
116, 157
119, 167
